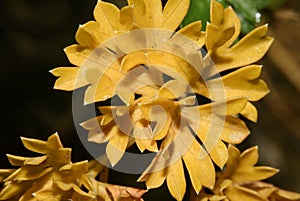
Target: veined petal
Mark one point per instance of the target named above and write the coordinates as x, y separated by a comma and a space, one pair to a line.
288, 194
108, 15
201, 171
77, 54
176, 180
69, 78
147, 13
223, 19
167, 63
247, 174
35, 145
155, 179
173, 89
143, 139
237, 193
219, 154
244, 82
249, 157
250, 112
217, 37
248, 50
91, 35
173, 13
229, 107
234, 130
193, 31
116, 147
105, 83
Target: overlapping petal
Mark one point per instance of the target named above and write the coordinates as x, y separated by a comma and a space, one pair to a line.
158, 78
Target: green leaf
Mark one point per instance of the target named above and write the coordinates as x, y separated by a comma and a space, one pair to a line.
199, 10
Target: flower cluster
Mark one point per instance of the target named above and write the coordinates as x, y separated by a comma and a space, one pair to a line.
54, 177
155, 109
177, 93
241, 180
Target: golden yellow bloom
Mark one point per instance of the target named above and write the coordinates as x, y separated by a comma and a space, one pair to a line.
49, 177
241, 180
53, 177
111, 59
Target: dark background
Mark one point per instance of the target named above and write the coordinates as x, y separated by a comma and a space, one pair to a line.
33, 35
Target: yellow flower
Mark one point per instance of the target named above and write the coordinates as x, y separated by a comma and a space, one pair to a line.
125, 53
240, 170
241, 180
49, 177
54, 177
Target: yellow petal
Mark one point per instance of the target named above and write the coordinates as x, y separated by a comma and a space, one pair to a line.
247, 174
288, 194
201, 171
10, 191
77, 54
90, 35
224, 19
35, 145
237, 193
193, 31
219, 154
234, 130
248, 50
5, 172
167, 63
220, 37
109, 16
143, 139
27, 173
242, 166
19, 160
244, 82
139, 12
191, 159
176, 180
105, 83
249, 157
228, 107
116, 147
162, 128
173, 13
233, 157
147, 14
216, 12
173, 89
154, 179
126, 16
69, 78
250, 112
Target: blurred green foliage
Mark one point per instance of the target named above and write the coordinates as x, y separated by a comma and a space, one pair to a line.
249, 11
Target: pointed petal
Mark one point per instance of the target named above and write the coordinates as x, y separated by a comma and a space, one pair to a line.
155, 179
109, 16
250, 112
244, 82
69, 78
193, 31
77, 54
219, 154
248, 50
173, 13
234, 130
35, 145
176, 180
237, 193
116, 147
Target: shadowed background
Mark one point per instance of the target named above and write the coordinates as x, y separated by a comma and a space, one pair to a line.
33, 35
